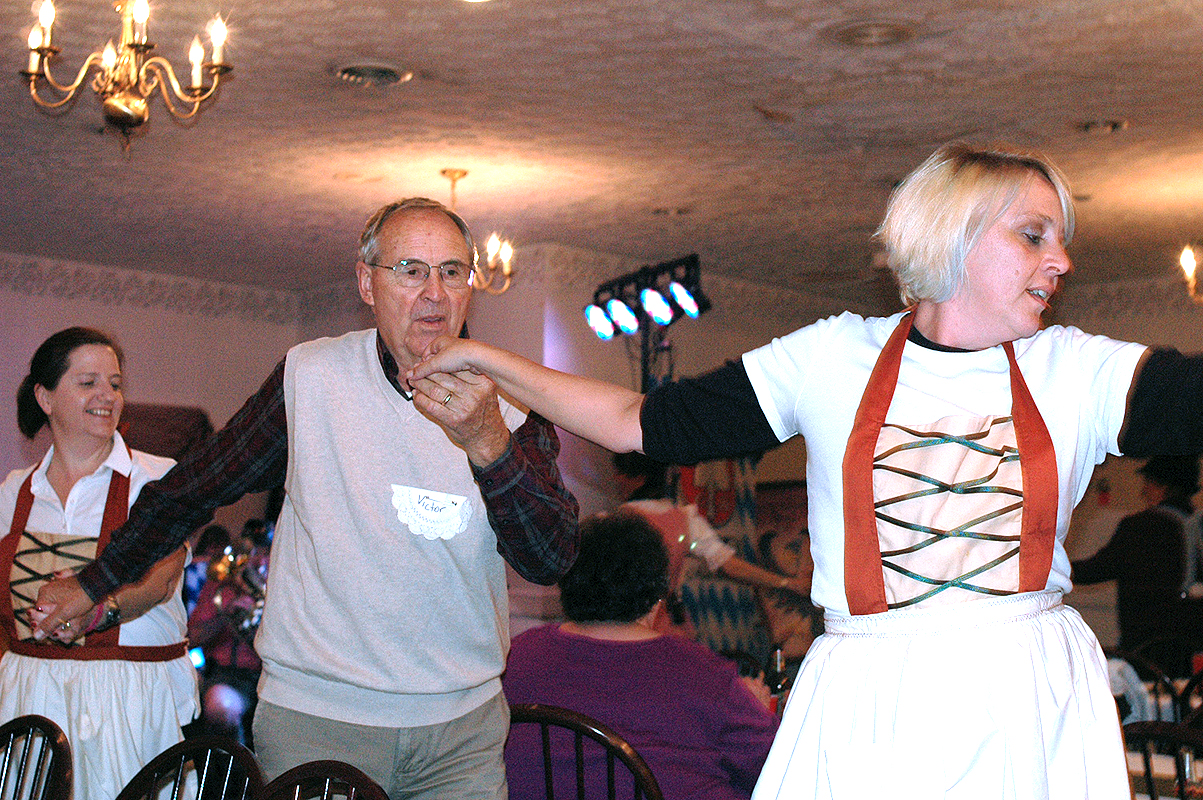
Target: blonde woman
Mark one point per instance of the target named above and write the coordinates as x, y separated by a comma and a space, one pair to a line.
947, 446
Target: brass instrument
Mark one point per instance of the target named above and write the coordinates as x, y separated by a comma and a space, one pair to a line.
235, 568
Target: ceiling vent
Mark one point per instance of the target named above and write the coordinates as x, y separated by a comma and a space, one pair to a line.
868, 33
373, 73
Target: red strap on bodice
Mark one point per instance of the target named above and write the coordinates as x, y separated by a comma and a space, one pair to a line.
95, 646
864, 584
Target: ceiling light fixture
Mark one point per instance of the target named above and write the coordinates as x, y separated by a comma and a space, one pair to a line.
870, 33
372, 73
127, 75
499, 253
1103, 127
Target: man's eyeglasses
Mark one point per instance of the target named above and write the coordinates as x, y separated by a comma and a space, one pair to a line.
412, 273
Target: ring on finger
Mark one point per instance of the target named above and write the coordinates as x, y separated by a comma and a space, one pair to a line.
447, 399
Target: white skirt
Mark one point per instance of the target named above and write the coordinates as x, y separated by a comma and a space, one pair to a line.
1004, 699
117, 715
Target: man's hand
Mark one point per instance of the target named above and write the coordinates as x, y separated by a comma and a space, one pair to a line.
60, 601
465, 404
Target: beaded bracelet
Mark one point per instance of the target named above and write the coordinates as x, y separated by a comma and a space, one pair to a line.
91, 626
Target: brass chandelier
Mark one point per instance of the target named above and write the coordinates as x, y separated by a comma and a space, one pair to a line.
127, 75
496, 270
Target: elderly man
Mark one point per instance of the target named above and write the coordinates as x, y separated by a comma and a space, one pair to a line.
386, 626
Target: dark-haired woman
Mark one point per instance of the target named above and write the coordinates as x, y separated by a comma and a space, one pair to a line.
117, 680
699, 726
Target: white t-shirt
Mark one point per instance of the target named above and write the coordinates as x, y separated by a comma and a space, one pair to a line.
811, 383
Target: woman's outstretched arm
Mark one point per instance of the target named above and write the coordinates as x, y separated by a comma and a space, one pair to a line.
595, 410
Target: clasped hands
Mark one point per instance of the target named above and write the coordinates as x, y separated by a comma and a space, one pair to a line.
63, 610
463, 401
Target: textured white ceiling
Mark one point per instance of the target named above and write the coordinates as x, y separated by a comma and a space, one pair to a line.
742, 130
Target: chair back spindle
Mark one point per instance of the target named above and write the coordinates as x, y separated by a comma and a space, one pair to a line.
581, 727
324, 780
221, 768
36, 760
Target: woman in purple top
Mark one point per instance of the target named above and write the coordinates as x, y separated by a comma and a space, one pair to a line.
697, 724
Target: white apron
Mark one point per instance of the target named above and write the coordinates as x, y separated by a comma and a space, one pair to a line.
927, 691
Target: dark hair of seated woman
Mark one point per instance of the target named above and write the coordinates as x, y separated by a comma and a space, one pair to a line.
620, 573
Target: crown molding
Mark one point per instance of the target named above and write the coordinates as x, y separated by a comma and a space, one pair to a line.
36, 276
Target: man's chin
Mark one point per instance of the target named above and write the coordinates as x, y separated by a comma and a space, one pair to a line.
419, 345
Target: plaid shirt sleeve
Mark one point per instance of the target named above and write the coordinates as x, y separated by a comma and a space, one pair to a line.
250, 454
534, 515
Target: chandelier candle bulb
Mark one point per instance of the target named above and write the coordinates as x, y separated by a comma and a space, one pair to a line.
1188, 262
35, 41
217, 34
46, 20
141, 15
196, 54
109, 59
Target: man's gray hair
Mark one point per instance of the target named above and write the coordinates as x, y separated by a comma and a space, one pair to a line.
368, 245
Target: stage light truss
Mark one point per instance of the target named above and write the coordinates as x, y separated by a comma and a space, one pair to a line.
654, 295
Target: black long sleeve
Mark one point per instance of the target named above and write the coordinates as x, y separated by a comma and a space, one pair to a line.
715, 415
1165, 412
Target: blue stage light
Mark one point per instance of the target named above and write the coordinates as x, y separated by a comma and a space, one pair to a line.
623, 316
684, 299
656, 306
600, 322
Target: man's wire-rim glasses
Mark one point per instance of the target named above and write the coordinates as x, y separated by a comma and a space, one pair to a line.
412, 273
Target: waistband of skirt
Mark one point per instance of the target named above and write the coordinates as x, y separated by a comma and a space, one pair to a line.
942, 619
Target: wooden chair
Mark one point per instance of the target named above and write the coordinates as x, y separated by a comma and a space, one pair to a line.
1151, 739
1166, 702
616, 749
221, 768
1190, 701
1171, 654
323, 780
36, 760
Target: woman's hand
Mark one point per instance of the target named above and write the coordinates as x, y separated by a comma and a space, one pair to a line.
61, 607
449, 356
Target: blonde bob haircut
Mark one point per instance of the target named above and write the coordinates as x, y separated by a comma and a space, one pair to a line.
937, 214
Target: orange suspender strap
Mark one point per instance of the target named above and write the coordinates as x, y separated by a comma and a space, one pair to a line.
102, 645
864, 584
1038, 464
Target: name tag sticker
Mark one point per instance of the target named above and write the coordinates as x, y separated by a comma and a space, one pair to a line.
433, 515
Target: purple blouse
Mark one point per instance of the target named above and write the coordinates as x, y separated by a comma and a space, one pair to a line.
681, 706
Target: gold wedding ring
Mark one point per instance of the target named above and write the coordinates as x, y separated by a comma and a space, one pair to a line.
447, 399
